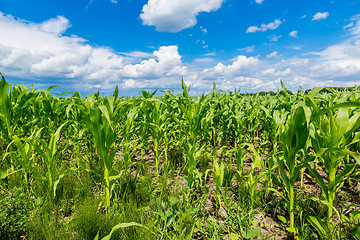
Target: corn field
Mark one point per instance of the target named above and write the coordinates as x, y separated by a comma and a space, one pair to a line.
225, 165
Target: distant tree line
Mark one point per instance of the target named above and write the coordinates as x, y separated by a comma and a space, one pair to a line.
335, 89
324, 90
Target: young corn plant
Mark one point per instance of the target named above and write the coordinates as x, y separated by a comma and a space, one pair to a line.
47, 152
253, 178
293, 141
194, 112
128, 142
219, 173
154, 120
331, 137
99, 123
24, 155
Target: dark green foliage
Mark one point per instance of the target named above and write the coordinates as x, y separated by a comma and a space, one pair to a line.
15, 207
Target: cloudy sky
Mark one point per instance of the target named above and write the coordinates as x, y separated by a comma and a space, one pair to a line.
92, 45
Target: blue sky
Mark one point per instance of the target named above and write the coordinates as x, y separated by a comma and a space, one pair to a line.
92, 45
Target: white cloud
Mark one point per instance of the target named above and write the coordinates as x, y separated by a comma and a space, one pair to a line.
273, 54
247, 49
138, 54
320, 15
274, 38
203, 29
293, 34
64, 63
210, 54
130, 83
168, 64
204, 60
273, 72
259, 1
55, 25
264, 27
175, 15
354, 26
297, 47
339, 61
30, 50
236, 67
42, 45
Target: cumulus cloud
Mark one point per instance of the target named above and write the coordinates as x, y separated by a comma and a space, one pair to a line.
168, 63
320, 16
264, 27
130, 83
236, 67
41, 44
339, 61
293, 34
259, 1
32, 50
273, 72
176, 15
55, 25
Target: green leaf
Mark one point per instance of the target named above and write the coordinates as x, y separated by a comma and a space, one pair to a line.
251, 233
283, 87
318, 178
275, 191
258, 162
282, 219
51, 87
4, 107
97, 235
295, 174
56, 183
234, 236
122, 225
105, 111
348, 169
283, 175
318, 224
355, 215
54, 139
291, 229
336, 106
116, 92
4, 87
355, 231
314, 91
